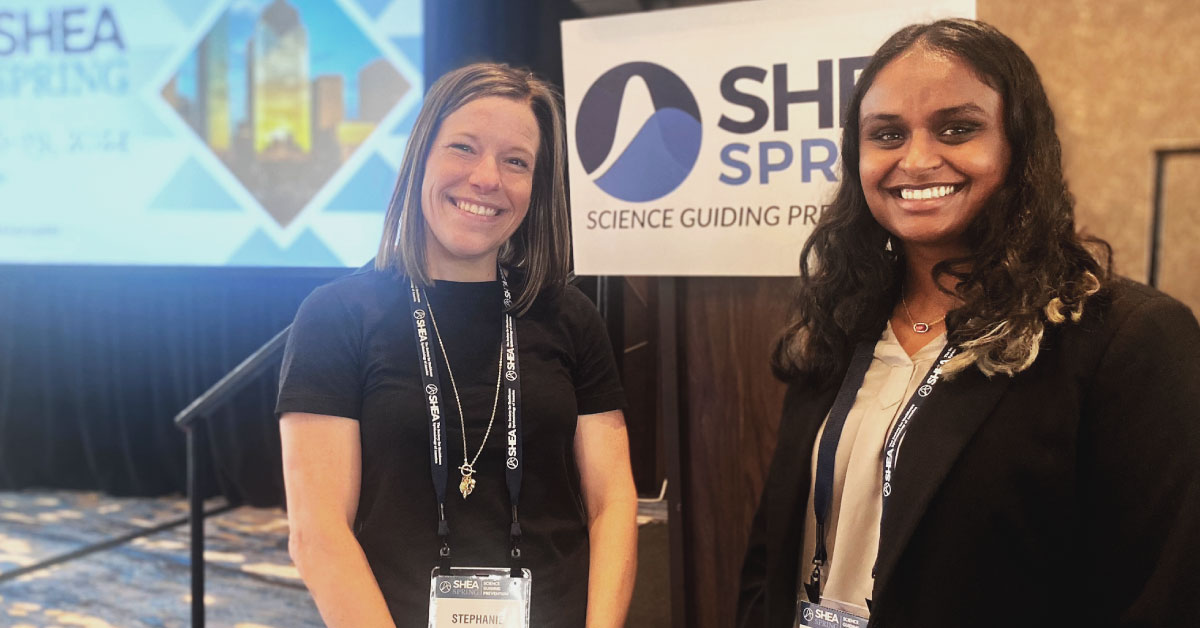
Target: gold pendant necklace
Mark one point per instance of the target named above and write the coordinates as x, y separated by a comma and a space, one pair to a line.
467, 469
468, 483
917, 326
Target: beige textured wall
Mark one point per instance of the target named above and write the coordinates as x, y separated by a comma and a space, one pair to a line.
1122, 76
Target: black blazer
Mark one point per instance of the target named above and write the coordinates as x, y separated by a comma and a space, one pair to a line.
1068, 495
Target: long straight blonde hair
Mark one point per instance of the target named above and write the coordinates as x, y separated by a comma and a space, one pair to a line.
541, 246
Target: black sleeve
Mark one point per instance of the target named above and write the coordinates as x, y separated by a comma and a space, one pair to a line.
1140, 448
594, 371
752, 596
321, 364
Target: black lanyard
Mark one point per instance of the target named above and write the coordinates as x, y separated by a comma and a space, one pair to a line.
511, 381
827, 451
892, 444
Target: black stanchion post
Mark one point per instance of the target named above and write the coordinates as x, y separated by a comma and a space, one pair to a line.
195, 472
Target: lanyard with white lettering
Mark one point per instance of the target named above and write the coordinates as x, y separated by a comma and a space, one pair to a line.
511, 381
892, 444
827, 451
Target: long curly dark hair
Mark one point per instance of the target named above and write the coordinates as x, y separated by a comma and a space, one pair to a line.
1027, 266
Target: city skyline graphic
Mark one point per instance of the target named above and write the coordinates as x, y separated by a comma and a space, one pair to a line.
283, 92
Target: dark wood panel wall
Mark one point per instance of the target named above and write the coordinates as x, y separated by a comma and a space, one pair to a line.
729, 416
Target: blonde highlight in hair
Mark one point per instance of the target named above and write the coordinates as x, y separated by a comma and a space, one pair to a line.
541, 246
1006, 348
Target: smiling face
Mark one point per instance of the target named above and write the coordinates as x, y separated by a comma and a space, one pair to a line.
477, 185
932, 149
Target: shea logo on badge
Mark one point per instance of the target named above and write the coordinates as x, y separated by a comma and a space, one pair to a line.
665, 148
825, 615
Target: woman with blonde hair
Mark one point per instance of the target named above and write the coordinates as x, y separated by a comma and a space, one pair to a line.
459, 405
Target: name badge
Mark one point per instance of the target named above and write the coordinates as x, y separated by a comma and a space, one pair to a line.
469, 596
810, 615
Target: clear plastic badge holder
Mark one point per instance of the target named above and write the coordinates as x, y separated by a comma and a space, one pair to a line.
479, 596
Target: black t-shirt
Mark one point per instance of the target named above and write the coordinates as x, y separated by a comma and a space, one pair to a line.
352, 354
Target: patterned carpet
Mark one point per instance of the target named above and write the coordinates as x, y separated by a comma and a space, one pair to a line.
145, 581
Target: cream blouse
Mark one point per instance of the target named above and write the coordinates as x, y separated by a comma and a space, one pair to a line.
853, 528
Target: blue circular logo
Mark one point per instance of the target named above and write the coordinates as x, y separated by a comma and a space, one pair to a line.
665, 148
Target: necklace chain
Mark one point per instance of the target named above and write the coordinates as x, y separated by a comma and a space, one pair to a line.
917, 326
468, 466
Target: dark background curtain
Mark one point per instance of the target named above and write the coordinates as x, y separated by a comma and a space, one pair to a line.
95, 362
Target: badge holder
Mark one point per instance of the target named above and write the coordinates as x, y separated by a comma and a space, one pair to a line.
479, 596
809, 615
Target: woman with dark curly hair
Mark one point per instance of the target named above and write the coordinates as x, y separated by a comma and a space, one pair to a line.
980, 417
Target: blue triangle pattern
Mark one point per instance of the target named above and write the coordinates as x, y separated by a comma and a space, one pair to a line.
145, 63
192, 188
141, 118
406, 124
374, 7
368, 190
260, 250
413, 49
188, 11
